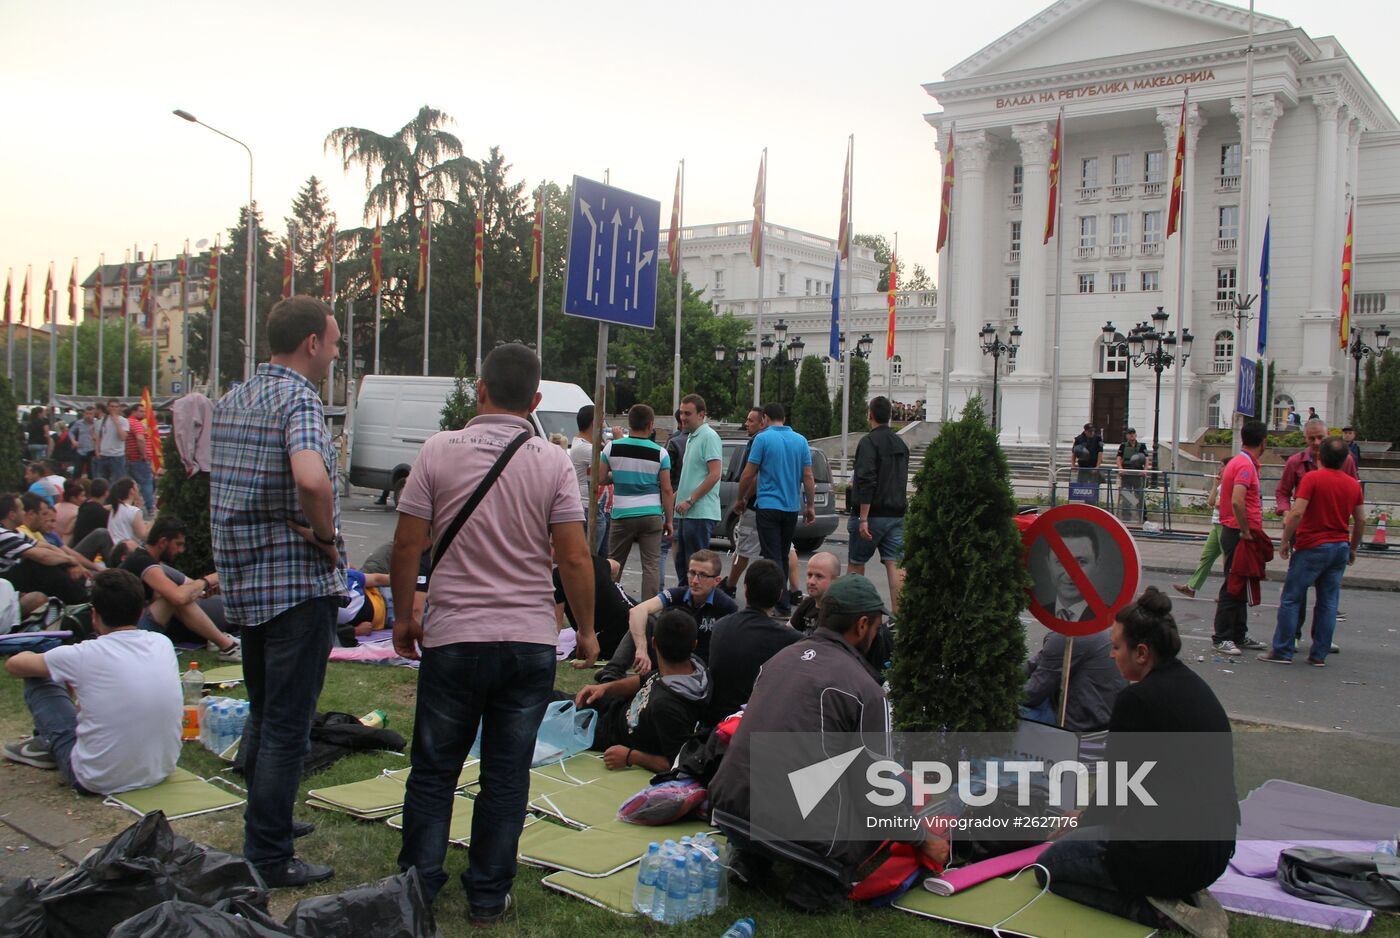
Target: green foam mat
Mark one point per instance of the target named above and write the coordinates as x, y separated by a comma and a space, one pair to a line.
183, 794
226, 674
613, 893
1017, 907
367, 797
598, 851
580, 805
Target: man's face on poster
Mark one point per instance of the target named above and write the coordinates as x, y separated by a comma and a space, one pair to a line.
1081, 548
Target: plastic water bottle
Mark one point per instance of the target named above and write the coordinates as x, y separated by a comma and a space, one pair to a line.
677, 890
225, 725
663, 878
713, 874
695, 885
644, 895
192, 685
743, 928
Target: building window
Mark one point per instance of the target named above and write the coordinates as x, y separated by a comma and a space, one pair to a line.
1086, 283
1213, 411
1229, 217
1122, 169
1152, 227
1016, 237
1225, 284
808, 288
719, 281
1119, 233
1151, 281
782, 284
1152, 164
897, 369
1013, 297
1017, 178
1113, 359
1230, 166
1283, 403
1089, 172
1223, 361
1088, 230
1118, 281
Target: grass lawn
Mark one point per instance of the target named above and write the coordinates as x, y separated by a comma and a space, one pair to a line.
364, 851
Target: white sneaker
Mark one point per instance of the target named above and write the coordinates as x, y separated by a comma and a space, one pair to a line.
233, 654
1226, 647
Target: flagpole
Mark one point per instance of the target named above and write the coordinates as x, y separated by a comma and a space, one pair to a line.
213, 370
155, 292
378, 294
101, 323
428, 289
349, 364
539, 291
894, 295
9, 332
676, 365
846, 353
1242, 262
29, 339
126, 324
762, 221
1181, 249
292, 249
330, 260
185, 321
479, 257
1059, 295
73, 306
53, 349
945, 294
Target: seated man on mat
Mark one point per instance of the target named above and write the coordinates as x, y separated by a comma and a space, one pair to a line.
701, 599
170, 594
121, 728
644, 720
611, 605
745, 640
34, 566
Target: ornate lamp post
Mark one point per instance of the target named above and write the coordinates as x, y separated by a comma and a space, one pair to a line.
993, 345
783, 356
1358, 350
1131, 350
1159, 353
743, 355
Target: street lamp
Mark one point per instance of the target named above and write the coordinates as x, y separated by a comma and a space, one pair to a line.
993, 345
783, 355
743, 355
1159, 353
250, 324
1131, 350
1358, 350
629, 375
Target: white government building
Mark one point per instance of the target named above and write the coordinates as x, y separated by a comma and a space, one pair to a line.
1322, 139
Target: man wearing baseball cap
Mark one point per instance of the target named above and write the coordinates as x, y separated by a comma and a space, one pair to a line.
820, 685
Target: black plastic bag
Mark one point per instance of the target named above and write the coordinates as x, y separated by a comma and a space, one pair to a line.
1352, 880
21, 914
335, 735
176, 919
141, 867
391, 908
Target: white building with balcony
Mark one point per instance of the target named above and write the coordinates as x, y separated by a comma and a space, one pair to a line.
1322, 140
799, 273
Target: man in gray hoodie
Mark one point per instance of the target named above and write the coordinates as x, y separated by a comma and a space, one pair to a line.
645, 719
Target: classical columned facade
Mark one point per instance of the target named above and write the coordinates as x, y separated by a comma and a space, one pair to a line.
1119, 71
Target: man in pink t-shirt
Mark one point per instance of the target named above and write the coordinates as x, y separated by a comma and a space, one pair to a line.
487, 638
1322, 532
1241, 513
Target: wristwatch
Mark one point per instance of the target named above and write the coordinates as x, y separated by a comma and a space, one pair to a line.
326, 540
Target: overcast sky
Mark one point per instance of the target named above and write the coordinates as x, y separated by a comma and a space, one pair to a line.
94, 161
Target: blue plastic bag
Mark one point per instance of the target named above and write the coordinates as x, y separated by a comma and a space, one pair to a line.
564, 732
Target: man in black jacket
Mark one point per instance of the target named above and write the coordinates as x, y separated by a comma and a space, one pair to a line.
878, 498
744, 641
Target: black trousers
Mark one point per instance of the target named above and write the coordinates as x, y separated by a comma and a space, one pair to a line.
1231, 611
775, 530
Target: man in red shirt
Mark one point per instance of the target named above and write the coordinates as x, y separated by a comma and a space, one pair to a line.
1241, 514
1322, 532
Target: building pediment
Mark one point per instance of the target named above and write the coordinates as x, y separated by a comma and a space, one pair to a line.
1080, 30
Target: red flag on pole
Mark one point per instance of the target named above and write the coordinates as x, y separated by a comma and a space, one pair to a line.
1174, 209
423, 250
1344, 335
889, 330
673, 238
48, 293
126, 283
478, 239
945, 208
843, 231
289, 259
182, 268
214, 276
376, 259
329, 259
97, 289
760, 201
537, 238
73, 294
24, 301
152, 430
8, 277
148, 293
1055, 149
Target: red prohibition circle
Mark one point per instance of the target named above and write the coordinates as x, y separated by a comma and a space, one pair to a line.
1104, 609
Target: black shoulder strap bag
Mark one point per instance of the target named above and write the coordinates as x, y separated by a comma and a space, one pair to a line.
476, 496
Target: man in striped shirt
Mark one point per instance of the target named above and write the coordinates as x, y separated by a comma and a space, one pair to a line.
640, 472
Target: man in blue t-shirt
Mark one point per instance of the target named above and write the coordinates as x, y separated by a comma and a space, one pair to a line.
780, 469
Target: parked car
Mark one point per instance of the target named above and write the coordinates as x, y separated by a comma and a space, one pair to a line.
807, 537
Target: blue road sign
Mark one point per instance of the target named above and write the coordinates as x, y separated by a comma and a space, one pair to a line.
611, 262
1244, 397
1086, 492
177, 387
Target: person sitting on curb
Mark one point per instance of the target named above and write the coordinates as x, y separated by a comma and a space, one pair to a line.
645, 720
170, 594
122, 732
745, 640
702, 600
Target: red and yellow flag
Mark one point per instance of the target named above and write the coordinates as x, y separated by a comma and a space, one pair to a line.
328, 258
537, 237
893, 291
24, 300
98, 298
126, 283
214, 276
843, 230
152, 430
289, 259
73, 294
9, 275
423, 245
182, 269
376, 259
148, 293
945, 204
1344, 331
478, 240
48, 293
673, 238
1055, 149
760, 203
1174, 209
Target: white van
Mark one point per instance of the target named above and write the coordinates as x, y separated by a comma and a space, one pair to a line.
395, 415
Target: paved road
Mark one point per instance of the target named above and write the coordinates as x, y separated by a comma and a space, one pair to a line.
1358, 691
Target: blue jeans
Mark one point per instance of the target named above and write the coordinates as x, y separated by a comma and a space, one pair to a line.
1321, 566
504, 687
692, 534
1078, 871
886, 535
110, 468
284, 665
604, 526
140, 470
56, 720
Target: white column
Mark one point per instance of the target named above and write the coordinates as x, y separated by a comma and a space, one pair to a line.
1168, 118
1035, 140
973, 152
1266, 113
1324, 213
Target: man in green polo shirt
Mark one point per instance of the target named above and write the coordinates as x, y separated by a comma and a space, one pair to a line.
697, 495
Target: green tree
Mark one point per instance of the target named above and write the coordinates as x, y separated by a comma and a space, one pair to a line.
111, 329
960, 646
1380, 400
860, 401
882, 249
461, 403
186, 497
233, 266
311, 219
811, 408
12, 448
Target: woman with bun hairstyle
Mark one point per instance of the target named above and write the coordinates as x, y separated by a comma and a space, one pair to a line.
1111, 861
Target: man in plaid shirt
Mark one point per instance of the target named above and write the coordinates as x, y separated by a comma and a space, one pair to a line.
275, 520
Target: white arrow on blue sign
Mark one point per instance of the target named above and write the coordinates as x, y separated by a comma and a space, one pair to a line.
1244, 398
610, 272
